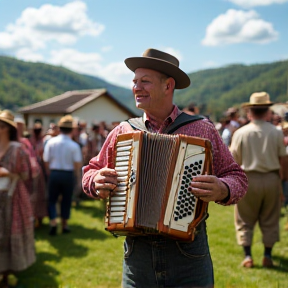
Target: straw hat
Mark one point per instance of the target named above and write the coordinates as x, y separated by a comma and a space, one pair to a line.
162, 62
258, 100
66, 122
7, 117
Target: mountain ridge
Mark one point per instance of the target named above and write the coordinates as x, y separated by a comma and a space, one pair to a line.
212, 90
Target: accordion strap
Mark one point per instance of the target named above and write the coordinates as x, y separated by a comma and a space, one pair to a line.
181, 120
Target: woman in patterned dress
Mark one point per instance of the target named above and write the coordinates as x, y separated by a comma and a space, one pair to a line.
17, 248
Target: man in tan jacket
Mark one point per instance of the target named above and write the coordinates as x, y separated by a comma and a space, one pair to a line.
258, 148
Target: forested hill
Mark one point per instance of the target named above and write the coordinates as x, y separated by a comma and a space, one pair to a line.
213, 90
23, 83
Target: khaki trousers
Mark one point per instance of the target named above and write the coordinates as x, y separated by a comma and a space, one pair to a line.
260, 204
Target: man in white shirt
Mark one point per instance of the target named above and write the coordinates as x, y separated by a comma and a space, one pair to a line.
63, 161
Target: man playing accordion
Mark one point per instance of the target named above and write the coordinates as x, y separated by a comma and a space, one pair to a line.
157, 260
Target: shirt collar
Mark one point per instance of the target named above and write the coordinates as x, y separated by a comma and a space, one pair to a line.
158, 127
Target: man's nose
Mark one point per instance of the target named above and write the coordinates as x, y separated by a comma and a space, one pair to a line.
137, 86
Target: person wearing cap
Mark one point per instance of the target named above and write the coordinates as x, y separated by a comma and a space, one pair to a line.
146, 261
257, 147
17, 247
63, 160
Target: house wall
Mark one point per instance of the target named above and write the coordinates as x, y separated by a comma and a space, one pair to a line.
101, 109
45, 118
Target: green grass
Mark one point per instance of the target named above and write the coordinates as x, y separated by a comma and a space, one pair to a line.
92, 257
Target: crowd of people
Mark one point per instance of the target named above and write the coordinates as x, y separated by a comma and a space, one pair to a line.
40, 176
40, 169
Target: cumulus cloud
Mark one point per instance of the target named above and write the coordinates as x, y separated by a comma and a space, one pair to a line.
63, 24
27, 54
254, 3
85, 63
117, 73
236, 26
91, 64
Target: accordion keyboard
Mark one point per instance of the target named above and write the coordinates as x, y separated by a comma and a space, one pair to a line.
118, 199
185, 202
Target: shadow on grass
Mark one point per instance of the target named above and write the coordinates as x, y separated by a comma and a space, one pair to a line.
95, 212
40, 272
65, 243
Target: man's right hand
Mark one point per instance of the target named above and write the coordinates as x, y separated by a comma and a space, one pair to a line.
105, 181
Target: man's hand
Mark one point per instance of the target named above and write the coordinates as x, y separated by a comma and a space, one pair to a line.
105, 181
208, 188
4, 172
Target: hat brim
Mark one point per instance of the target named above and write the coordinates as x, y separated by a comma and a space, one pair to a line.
262, 105
66, 125
181, 78
11, 123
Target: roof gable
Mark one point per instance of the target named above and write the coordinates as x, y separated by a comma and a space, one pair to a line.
69, 102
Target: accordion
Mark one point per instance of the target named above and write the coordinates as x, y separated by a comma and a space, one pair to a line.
154, 174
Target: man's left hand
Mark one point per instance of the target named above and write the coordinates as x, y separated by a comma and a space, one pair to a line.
209, 188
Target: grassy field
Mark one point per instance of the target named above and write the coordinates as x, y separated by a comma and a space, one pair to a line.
92, 257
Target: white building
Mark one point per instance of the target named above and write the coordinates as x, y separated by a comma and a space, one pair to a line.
87, 105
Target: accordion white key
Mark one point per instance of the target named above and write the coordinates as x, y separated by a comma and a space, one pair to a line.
154, 175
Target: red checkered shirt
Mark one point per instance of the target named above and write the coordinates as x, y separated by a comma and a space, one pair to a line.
224, 166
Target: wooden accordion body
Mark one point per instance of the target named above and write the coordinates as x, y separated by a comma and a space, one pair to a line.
154, 174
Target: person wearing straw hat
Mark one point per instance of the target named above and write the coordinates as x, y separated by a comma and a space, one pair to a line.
63, 160
17, 248
161, 261
257, 147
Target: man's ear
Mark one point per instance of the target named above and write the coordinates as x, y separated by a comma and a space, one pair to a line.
170, 83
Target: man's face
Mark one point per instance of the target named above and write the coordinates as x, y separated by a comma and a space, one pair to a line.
149, 89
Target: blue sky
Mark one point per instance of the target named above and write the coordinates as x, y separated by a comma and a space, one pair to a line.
95, 36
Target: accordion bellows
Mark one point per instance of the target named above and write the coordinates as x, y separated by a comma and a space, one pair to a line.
154, 174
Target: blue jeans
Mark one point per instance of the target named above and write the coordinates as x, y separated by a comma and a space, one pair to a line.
60, 183
157, 261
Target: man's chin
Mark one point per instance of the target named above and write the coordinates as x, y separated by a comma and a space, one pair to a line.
140, 105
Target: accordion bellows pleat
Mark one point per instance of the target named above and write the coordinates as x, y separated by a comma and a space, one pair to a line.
154, 174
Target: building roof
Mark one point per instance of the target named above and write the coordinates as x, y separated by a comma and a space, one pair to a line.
69, 101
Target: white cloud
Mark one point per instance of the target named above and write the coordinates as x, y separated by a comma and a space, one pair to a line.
254, 3
238, 26
91, 64
173, 52
85, 63
118, 73
210, 64
63, 24
29, 55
